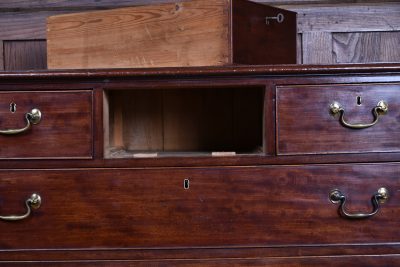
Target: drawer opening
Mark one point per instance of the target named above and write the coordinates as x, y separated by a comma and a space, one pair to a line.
211, 122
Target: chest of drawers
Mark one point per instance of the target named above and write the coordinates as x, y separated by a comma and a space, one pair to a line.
225, 166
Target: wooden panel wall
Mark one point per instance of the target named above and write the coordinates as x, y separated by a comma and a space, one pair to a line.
330, 31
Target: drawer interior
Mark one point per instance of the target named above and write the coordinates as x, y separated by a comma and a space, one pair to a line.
183, 122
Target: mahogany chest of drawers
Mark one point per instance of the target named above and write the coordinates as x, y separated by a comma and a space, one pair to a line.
228, 166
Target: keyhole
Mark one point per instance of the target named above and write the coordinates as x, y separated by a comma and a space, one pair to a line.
359, 100
13, 107
186, 184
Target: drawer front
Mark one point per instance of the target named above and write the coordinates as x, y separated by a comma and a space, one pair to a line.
305, 124
332, 261
259, 206
64, 130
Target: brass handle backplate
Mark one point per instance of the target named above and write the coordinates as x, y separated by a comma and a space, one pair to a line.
32, 117
33, 202
380, 197
381, 108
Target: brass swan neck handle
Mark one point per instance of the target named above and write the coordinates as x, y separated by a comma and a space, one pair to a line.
381, 108
380, 197
33, 202
31, 118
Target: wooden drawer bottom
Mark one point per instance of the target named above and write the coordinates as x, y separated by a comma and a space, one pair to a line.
339, 261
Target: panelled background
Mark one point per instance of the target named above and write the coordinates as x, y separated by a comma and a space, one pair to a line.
329, 32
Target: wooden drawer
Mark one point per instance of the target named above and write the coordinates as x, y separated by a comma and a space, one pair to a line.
181, 33
253, 206
305, 124
64, 130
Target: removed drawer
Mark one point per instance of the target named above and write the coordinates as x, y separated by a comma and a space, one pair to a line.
306, 123
254, 206
46, 124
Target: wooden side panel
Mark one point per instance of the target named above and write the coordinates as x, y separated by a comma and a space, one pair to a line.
256, 42
365, 47
143, 120
1, 55
248, 116
223, 207
306, 126
117, 121
25, 55
183, 120
185, 34
299, 48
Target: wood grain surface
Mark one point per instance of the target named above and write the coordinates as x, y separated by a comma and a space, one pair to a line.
349, 17
254, 206
186, 34
26, 20
22, 55
65, 130
186, 120
121, 212
31, 23
257, 74
16, 5
255, 42
221, 253
24, 25
366, 47
1, 56
334, 261
305, 124
317, 48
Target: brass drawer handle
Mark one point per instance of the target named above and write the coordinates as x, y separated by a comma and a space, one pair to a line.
380, 197
33, 202
380, 109
32, 117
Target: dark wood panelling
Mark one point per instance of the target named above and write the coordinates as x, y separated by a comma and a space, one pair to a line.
25, 55
254, 215
366, 47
